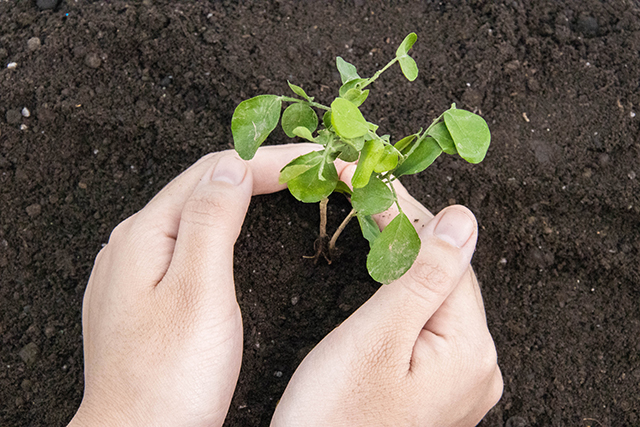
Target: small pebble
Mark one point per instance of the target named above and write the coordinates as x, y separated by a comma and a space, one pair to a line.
12, 65
13, 117
29, 353
46, 4
26, 112
92, 60
34, 210
24, 127
33, 44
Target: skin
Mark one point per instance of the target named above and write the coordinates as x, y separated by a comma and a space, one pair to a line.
163, 331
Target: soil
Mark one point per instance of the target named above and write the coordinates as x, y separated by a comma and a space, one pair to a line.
123, 96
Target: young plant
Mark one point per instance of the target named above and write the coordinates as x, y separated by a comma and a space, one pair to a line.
345, 134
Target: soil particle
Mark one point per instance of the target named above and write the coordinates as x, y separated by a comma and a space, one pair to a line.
13, 117
588, 25
516, 422
34, 210
29, 353
33, 44
47, 4
92, 60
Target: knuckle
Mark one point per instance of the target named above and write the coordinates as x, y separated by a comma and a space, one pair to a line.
206, 210
121, 231
430, 276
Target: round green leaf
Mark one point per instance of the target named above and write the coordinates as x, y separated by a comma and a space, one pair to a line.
347, 120
393, 251
373, 198
406, 44
420, 156
409, 67
307, 186
442, 136
470, 134
252, 122
298, 115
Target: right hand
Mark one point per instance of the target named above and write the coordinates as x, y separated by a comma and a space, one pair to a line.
418, 353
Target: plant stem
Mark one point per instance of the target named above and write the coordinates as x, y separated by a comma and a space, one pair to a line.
377, 74
334, 238
323, 218
304, 101
319, 244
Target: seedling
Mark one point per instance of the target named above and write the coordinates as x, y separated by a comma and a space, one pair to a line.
345, 134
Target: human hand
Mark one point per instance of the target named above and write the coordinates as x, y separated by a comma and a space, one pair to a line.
417, 353
162, 328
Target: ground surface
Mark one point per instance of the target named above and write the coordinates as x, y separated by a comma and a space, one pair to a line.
124, 96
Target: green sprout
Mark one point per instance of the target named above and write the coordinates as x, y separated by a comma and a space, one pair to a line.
345, 134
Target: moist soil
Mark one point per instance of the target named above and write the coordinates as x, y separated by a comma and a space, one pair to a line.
123, 96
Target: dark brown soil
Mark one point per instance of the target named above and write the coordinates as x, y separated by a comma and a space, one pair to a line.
123, 96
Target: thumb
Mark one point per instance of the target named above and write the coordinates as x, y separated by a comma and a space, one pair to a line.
210, 223
448, 242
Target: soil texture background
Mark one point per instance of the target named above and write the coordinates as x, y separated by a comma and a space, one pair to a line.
122, 96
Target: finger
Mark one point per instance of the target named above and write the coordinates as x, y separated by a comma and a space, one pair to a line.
402, 308
165, 208
210, 222
147, 239
462, 313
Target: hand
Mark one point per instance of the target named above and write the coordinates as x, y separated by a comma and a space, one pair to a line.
418, 353
162, 328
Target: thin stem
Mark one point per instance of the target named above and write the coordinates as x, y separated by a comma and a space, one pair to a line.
395, 195
334, 238
377, 74
323, 217
304, 101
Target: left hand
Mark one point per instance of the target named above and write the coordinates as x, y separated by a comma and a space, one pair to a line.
161, 324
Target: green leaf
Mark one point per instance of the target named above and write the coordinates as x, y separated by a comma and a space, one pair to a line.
291, 171
470, 134
406, 44
352, 84
307, 186
442, 136
405, 142
409, 67
347, 71
252, 122
370, 229
388, 161
370, 155
419, 157
303, 132
347, 120
326, 120
296, 115
299, 91
394, 251
373, 198
347, 152
356, 96
356, 143
343, 188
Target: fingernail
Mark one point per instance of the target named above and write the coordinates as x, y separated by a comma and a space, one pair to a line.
455, 228
229, 169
